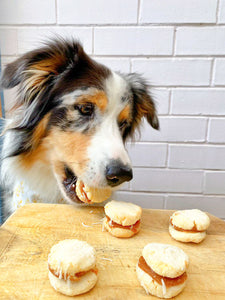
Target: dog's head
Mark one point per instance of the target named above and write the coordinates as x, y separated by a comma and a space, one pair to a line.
75, 114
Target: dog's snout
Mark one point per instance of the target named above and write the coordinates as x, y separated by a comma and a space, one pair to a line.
117, 173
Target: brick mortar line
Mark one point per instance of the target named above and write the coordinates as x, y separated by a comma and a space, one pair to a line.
170, 102
172, 193
217, 11
174, 40
167, 156
168, 192
186, 143
212, 71
193, 115
113, 25
165, 168
56, 12
138, 11
178, 143
148, 56
204, 183
204, 57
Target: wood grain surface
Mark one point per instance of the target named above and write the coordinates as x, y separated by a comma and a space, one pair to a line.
28, 235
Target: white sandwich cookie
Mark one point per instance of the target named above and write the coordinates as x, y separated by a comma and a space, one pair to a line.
90, 195
72, 267
161, 270
122, 218
189, 225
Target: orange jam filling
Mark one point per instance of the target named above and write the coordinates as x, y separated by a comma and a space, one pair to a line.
87, 200
192, 230
133, 227
168, 281
75, 277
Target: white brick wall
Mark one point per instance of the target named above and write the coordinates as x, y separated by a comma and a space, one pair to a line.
178, 11
179, 45
133, 40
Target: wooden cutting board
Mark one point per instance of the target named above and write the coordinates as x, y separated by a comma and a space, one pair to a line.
26, 238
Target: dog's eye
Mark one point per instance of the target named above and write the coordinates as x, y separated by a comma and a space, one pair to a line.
86, 109
122, 124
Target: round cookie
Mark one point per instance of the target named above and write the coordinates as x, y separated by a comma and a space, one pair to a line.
122, 218
72, 267
162, 270
165, 260
189, 225
123, 213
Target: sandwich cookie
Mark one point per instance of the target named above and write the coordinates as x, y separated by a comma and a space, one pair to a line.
189, 225
122, 218
161, 270
72, 267
90, 195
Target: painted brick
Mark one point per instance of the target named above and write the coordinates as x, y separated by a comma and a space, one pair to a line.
8, 41
214, 183
97, 12
27, 12
200, 41
216, 133
219, 72
116, 64
31, 38
163, 180
147, 155
161, 99
125, 186
176, 129
176, 11
198, 101
174, 71
212, 204
145, 200
133, 40
221, 13
196, 157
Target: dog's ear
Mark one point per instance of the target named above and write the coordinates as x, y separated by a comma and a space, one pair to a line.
13, 73
144, 105
36, 72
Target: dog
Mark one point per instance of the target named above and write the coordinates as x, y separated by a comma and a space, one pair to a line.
70, 121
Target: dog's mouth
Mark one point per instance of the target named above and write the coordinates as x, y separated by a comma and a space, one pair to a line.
69, 184
77, 191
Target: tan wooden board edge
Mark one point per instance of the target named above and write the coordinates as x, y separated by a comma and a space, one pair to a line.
28, 235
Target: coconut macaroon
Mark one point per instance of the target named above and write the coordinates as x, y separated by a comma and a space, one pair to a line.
161, 270
122, 218
189, 225
72, 267
90, 195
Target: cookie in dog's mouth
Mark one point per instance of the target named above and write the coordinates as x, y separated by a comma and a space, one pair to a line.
79, 192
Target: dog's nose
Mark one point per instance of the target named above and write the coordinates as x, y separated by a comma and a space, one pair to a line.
117, 173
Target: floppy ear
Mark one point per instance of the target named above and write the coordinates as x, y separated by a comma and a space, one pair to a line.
144, 106
13, 73
36, 72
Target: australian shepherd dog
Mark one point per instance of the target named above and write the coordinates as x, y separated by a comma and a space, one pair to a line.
70, 121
